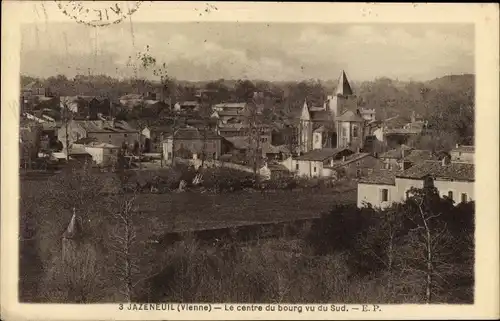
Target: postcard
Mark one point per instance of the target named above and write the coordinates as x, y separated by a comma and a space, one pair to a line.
249, 160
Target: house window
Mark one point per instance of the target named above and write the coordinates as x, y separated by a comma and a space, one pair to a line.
169, 155
358, 172
355, 132
464, 198
370, 171
450, 195
315, 169
344, 131
109, 136
297, 167
316, 138
125, 135
385, 195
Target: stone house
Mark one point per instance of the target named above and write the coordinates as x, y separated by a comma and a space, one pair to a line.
192, 143
103, 154
453, 180
357, 165
462, 153
115, 133
317, 163
154, 137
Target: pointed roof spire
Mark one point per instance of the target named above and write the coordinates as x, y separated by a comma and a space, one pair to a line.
74, 228
343, 86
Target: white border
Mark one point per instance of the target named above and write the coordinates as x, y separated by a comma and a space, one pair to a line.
485, 18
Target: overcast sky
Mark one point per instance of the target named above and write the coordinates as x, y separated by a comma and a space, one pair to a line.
274, 51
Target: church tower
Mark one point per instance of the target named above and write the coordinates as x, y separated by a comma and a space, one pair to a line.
305, 129
343, 99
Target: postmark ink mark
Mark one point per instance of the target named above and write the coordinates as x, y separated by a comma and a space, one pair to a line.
96, 13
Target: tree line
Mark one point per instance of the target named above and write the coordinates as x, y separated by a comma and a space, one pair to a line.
447, 102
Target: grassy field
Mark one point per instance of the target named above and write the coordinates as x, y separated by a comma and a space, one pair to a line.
46, 211
331, 260
161, 213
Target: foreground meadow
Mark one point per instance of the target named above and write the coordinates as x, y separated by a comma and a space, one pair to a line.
347, 255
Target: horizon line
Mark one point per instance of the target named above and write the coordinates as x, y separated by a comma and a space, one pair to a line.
251, 80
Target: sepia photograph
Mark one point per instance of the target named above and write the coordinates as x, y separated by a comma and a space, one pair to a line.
250, 162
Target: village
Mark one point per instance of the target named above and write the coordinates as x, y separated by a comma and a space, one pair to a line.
191, 164
332, 142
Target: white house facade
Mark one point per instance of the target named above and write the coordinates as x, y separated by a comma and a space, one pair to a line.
452, 180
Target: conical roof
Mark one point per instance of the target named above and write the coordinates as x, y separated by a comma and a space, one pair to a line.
74, 228
343, 86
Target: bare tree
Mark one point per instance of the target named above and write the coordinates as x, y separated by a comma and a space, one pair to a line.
254, 125
123, 241
67, 117
427, 237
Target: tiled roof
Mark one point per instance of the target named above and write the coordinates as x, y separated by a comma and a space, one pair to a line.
404, 131
50, 125
121, 124
320, 154
419, 155
131, 97
190, 103
464, 149
100, 126
318, 128
150, 102
351, 116
351, 158
271, 149
395, 121
195, 134
238, 142
320, 115
277, 168
230, 105
78, 151
33, 84
380, 178
232, 127
161, 129
455, 171
86, 140
228, 113
102, 145
82, 97
396, 153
